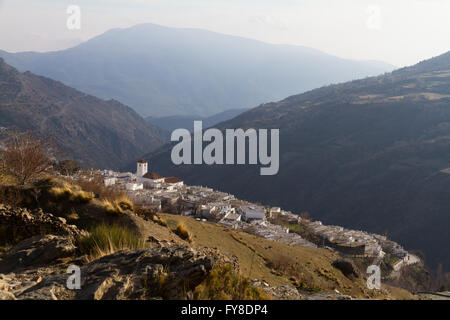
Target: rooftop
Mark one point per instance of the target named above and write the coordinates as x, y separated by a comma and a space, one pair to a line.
152, 175
173, 180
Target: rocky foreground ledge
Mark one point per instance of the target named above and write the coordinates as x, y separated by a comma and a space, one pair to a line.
156, 273
36, 267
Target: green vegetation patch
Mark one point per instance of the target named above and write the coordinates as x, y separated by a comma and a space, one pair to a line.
107, 239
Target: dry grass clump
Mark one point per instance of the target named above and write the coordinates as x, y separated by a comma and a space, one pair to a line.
112, 207
284, 264
72, 216
118, 206
114, 201
223, 284
124, 202
71, 193
107, 239
183, 232
159, 220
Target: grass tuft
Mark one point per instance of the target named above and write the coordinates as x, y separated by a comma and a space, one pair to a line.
223, 284
162, 222
107, 239
183, 232
118, 206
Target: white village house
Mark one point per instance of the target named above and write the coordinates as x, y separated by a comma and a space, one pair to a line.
134, 186
154, 180
252, 212
173, 183
151, 180
109, 181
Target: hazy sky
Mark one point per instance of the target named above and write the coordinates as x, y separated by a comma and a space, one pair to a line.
401, 32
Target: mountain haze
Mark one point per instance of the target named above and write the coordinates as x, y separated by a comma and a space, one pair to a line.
171, 123
98, 133
161, 71
369, 154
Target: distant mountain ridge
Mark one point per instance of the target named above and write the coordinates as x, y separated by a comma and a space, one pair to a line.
366, 154
171, 123
161, 71
98, 133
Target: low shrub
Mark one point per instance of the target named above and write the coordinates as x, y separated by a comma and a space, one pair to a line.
183, 232
284, 264
159, 220
223, 284
298, 274
145, 212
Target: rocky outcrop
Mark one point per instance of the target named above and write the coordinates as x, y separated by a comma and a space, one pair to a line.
221, 258
5, 289
36, 252
12, 285
278, 292
17, 224
155, 273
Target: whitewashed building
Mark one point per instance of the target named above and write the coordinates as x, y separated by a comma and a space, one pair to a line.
134, 186
151, 180
109, 181
252, 212
142, 168
232, 216
175, 182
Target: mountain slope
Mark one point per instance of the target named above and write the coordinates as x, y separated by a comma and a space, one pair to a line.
162, 71
105, 134
366, 154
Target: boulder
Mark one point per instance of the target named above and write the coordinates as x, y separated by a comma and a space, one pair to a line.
37, 251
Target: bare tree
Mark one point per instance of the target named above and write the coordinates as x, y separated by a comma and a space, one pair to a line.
24, 157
